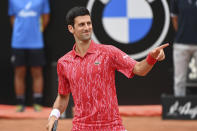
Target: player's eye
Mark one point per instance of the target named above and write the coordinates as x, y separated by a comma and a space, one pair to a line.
89, 23
81, 24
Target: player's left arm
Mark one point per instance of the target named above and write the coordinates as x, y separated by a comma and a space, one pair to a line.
143, 67
45, 20
12, 19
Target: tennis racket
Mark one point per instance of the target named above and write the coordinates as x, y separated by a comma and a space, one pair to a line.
55, 126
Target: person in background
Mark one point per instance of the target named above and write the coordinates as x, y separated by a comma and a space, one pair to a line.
184, 19
29, 19
88, 72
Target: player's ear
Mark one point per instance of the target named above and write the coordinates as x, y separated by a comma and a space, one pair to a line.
70, 28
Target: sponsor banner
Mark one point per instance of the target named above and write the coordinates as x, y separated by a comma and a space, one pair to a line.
134, 26
183, 108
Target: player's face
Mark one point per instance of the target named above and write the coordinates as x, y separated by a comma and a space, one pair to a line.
82, 29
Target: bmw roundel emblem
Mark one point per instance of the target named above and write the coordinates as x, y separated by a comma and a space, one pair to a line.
134, 26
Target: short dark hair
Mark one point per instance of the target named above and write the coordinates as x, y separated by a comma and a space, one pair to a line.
74, 12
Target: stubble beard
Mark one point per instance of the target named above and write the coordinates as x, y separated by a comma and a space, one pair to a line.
86, 37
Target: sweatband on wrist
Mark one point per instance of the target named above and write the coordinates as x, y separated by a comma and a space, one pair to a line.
55, 112
150, 60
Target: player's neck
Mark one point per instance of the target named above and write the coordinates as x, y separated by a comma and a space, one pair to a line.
82, 47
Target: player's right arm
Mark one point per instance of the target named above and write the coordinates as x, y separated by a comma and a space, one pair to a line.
61, 104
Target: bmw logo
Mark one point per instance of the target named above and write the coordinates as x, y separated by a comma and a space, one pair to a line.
134, 26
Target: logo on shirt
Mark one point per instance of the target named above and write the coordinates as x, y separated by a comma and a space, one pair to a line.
97, 63
26, 12
134, 26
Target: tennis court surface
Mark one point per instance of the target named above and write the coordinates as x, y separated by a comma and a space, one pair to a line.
135, 118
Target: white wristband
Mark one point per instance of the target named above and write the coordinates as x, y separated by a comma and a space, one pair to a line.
56, 113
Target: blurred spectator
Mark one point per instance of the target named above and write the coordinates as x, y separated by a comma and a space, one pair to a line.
29, 18
184, 18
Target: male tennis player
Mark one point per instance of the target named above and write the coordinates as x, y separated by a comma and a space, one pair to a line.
88, 71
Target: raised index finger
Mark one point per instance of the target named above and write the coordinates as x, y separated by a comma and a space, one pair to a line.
163, 46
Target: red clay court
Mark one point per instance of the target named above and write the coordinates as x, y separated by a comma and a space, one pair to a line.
135, 118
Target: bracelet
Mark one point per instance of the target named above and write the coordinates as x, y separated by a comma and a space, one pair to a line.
150, 60
55, 112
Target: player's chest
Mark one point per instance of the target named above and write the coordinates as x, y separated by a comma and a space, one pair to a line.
95, 65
